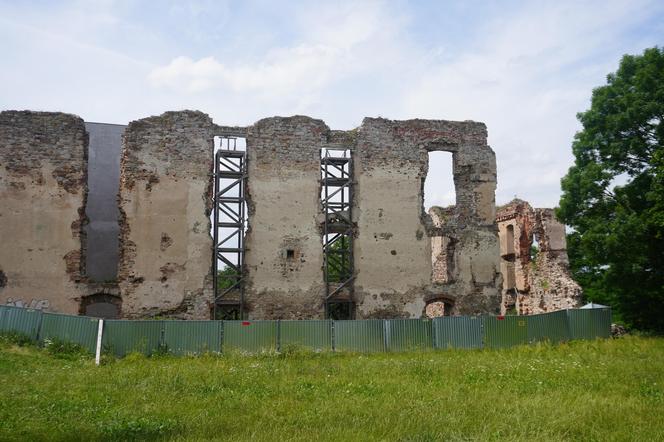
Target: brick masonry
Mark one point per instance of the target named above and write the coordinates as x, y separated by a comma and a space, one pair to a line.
539, 283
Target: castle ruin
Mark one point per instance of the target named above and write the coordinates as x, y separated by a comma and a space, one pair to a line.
177, 216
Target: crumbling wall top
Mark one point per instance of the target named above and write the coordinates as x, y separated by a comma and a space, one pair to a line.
431, 134
59, 139
185, 147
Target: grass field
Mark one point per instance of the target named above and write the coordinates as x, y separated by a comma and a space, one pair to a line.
600, 390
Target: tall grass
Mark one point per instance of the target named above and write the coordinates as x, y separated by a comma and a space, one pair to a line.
598, 390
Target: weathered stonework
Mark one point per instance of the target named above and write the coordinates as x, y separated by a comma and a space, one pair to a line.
284, 214
165, 199
43, 163
392, 247
395, 275
540, 283
165, 202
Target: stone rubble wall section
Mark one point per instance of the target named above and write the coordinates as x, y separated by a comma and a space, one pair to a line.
544, 284
283, 191
43, 189
165, 200
393, 246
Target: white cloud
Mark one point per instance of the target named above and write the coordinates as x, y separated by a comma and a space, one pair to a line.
285, 70
339, 42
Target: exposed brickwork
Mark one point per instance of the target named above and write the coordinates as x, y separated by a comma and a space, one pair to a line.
541, 284
442, 247
392, 247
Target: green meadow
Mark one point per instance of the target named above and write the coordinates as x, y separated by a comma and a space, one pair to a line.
586, 390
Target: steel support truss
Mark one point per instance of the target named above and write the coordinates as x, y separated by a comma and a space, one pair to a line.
229, 219
338, 232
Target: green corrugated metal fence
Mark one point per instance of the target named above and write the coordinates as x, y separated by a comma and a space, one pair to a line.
505, 331
80, 330
194, 337
121, 337
360, 336
407, 334
552, 327
589, 323
458, 332
316, 335
250, 336
21, 320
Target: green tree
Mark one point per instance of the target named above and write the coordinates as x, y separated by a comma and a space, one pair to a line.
226, 278
613, 196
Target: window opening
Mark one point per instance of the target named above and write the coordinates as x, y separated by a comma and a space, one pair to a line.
229, 222
337, 206
439, 187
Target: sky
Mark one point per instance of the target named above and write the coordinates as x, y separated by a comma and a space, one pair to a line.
523, 68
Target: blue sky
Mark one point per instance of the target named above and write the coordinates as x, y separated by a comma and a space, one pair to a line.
523, 68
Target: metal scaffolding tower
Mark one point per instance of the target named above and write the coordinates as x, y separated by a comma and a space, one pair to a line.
229, 221
338, 230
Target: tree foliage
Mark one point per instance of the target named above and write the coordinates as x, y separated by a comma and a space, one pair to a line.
613, 196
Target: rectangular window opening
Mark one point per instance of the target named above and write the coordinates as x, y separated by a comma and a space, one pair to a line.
439, 187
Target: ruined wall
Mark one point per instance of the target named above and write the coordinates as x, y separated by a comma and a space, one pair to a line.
515, 229
393, 248
285, 214
165, 198
542, 282
393, 265
551, 284
165, 201
43, 161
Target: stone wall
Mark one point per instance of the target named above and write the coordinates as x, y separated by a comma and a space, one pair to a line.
285, 214
393, 248
392, 245
165, 201
43, 162
541, 278
165, 198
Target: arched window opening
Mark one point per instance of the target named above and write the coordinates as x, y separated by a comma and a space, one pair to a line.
438, 308
101, 305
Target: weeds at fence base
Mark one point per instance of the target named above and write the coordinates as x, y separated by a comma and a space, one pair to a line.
64, 349
15, 338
